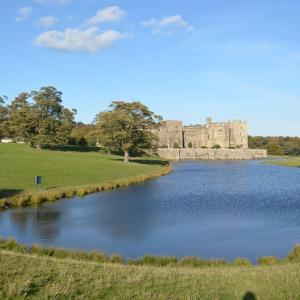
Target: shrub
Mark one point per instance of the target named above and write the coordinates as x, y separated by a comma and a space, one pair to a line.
150, 260
38, 250
97, 256
117, 259
240, 261
294, 255
191, 261
12, 245
275, 149
267, 260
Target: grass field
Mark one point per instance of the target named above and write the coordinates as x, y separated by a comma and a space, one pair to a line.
31, 276
60, 170
286, 161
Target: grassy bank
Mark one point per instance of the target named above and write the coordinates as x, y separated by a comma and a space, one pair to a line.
66, 174
42, 274
286, 161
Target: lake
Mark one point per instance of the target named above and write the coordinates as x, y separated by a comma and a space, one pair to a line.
212, 209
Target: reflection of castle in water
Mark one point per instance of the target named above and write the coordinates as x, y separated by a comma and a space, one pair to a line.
232, 134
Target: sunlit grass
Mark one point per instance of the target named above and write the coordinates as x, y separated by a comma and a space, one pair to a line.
66, 174
286, 161
46, 273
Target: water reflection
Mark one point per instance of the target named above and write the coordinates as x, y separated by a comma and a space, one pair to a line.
43, 222
209, 209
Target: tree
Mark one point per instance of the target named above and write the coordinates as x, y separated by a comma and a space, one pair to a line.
66, 125
53, 122
275, 149
83, 134
127, 126
3, 116
21, 119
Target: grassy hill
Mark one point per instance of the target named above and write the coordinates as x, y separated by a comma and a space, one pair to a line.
61, 170
30, 276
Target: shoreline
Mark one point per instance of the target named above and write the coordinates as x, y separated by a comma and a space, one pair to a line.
97, 256
33, 198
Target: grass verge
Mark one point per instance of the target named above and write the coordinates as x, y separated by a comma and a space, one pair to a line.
66, 174
41, 273
147, 260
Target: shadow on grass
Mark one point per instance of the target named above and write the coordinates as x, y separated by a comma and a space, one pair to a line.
70, 148
143, 161
4, 193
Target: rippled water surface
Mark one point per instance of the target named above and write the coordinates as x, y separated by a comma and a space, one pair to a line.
211, 209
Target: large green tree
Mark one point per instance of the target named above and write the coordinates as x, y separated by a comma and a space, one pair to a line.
22, 118
3, 117
53, 122
83, 134
127, 126
38, 117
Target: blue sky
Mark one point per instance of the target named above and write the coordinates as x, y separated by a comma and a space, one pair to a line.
186, 60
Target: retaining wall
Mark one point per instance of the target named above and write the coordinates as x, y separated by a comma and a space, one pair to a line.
211, 154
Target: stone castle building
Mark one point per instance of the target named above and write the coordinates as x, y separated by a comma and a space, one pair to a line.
231, 135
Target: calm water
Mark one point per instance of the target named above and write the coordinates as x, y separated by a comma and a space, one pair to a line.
208, 209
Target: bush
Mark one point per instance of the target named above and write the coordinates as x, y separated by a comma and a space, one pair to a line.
275, 149
240, 261
12, 245
267, 260
216, 147
191, 261
116, 259
97, 256
159, 261
294, 255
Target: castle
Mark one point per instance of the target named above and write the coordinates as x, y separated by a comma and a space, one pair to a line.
231, 135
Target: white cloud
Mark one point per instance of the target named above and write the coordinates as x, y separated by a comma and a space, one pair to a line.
76, 39
47, 21
108, 14
169, 24
23, 13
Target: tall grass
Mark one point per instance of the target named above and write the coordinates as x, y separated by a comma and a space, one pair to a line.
147, 260
33, 198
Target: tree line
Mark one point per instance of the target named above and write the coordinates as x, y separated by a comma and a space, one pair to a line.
39, 118
276, 145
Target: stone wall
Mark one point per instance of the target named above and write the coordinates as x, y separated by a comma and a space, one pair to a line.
211, 154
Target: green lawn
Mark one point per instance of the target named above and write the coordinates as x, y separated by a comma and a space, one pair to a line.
19, 164
30, 276
287, 161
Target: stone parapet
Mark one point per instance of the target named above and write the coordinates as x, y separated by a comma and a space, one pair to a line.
211, 154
